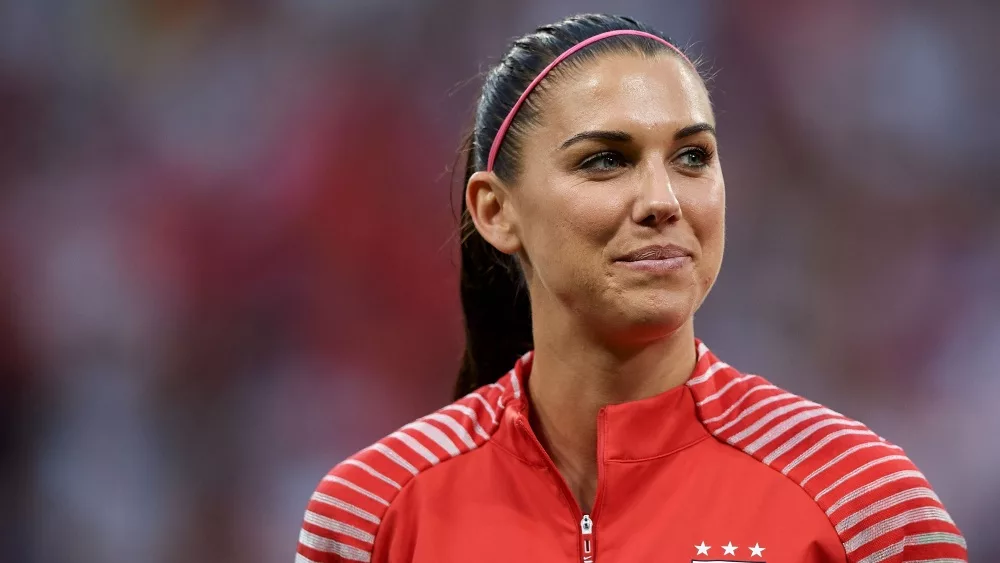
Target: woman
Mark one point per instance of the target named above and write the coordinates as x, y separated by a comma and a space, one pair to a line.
594, 187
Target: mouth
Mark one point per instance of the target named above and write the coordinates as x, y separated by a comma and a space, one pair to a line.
657, 258
656, 252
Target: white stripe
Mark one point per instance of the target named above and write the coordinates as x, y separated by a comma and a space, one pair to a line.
819, 445
416, 446
708, 373
455, 427
472, 418
355, 488
859, 470
391, 454
320, 543
338, 527
798, 438
882, 504
702, 349
371, 471
739, 402
725, 388
436, 435
872, 533
481, 399
754, 408
349, 508
917, 539
840, 457
515, 384
865, 489
779, 429
503, 390
299, 558
753, 428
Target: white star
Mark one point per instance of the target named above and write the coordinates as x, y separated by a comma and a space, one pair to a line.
730, 549
756, 550
702, 549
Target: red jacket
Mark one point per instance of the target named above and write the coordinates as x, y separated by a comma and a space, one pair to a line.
725, 468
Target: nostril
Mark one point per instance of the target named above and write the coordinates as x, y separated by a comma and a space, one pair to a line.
651, 220
657, 217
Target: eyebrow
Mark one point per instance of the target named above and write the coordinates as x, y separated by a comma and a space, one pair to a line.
623, 137
614, 136
694, 130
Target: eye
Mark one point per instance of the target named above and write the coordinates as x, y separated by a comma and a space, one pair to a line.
604, 162
695, 157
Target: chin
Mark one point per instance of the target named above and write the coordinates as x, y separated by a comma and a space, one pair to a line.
657, 319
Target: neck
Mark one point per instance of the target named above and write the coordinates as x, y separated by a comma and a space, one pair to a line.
574, 374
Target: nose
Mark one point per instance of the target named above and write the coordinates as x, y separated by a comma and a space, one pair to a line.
656, 203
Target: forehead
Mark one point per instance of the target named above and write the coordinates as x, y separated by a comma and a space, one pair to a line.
626, 92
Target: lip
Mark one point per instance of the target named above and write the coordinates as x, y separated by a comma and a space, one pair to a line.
657, 258
656, 252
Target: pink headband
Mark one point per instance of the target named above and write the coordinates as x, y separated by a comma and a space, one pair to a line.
495, 148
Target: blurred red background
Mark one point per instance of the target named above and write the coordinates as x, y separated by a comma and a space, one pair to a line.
227, 253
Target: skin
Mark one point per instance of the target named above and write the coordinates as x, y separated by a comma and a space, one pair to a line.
606, 333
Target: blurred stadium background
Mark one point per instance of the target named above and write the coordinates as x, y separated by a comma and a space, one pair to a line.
226, 259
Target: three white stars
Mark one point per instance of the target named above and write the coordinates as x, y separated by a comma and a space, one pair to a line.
730, 549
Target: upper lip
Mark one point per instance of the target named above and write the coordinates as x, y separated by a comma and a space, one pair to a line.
656, 252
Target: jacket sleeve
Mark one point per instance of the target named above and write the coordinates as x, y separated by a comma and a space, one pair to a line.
346, 512
894, 516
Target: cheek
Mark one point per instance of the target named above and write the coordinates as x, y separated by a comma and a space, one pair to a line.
596, 211
569, 229
706, 214
579, 214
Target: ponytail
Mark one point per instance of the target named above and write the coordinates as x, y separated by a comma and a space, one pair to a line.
494, 302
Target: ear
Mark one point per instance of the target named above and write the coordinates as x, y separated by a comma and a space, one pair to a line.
488, 200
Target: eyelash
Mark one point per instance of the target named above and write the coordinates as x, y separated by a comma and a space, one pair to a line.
590, 162
704, 153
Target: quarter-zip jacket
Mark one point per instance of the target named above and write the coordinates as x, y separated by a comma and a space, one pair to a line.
724, 468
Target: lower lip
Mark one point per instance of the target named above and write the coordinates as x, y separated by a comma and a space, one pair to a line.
664, 265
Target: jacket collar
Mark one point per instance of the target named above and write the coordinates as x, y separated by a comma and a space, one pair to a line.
646, 429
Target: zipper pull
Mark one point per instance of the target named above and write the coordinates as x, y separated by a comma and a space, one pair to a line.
587, 538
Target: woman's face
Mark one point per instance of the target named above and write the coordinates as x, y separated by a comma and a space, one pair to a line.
624, 158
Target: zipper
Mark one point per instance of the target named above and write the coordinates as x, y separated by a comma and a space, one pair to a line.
588, 544
588, 533
587, 539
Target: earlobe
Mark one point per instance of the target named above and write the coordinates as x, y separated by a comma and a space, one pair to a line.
492, 211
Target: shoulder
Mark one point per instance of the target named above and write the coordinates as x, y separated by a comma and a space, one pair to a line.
346, 510
880, 504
